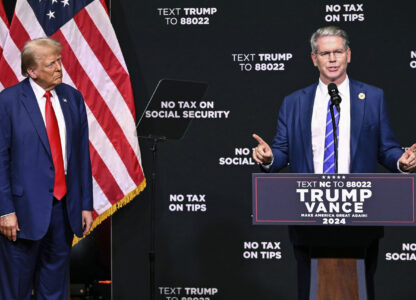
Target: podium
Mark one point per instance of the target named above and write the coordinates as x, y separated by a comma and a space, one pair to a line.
337, 201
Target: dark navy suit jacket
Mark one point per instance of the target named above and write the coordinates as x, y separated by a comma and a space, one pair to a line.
371, 142
26, 166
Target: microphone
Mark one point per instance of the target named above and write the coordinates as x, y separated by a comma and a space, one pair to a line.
334, 94
335, 100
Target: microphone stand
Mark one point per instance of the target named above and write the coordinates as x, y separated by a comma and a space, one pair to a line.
152, 251
334, 132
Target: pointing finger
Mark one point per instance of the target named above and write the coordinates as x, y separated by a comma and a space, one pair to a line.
258, 139
411, 149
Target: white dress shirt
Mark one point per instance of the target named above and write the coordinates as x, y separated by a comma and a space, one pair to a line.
318, 127
39, 94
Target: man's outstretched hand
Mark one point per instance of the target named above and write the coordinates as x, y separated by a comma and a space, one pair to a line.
262, 153
407, 162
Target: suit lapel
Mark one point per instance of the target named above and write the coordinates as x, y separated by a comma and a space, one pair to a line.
63, 101
357, 114
32, 107
305, 117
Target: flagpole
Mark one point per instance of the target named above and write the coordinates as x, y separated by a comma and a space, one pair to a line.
111, 218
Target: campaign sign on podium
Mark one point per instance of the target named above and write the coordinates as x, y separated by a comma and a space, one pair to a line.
339, 199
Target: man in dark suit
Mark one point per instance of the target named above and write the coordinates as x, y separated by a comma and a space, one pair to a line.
45, 177
364, 139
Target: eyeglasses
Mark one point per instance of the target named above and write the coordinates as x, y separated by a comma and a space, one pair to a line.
327, 54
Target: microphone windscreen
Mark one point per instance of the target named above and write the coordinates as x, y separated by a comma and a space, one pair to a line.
334, 94
332, 88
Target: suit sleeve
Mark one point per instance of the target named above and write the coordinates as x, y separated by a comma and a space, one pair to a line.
389, 149
6, 200
86, 175
280, 145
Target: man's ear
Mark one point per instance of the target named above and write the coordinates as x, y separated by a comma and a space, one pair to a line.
32, 73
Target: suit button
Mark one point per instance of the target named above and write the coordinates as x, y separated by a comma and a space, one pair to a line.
50, 190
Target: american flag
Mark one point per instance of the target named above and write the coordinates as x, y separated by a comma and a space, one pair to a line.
93, 63
4, 30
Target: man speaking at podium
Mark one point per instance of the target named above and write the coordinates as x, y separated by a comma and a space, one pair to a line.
306, 141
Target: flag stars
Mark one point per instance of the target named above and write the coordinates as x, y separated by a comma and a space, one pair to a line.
333, 177
51, 14
54, 1
65, 2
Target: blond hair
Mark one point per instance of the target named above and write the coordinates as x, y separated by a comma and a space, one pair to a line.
28, 55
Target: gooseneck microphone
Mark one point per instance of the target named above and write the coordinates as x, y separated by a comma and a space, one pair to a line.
334, 94
335, 101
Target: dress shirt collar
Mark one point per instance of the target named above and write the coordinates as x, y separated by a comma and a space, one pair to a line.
39, 91
343, 88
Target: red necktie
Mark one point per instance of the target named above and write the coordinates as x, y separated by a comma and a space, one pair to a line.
52, 129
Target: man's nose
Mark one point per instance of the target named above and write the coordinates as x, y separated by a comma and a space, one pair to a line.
58, 66
332, 56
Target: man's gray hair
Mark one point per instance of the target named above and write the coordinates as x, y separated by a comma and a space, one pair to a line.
329, 31
28, 55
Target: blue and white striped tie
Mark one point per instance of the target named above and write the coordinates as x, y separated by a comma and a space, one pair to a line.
329, 158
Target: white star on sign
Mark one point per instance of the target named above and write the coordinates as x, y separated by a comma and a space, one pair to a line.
51, 14
65, 2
